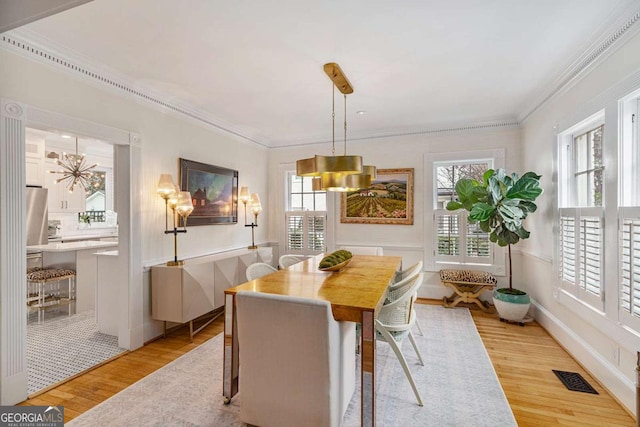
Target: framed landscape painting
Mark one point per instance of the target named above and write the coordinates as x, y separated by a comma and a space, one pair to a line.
389, 200
214, 193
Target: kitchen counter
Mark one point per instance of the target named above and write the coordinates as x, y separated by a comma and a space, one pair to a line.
72, 246
80, 237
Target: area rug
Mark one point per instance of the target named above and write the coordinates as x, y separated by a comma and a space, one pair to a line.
458, 384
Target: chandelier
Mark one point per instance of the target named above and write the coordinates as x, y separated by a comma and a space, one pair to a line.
75, 171
337, 173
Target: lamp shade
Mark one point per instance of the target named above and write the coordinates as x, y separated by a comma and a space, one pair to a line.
185, 204
256, 206
173, 197
244, 195
165, 186
319, 165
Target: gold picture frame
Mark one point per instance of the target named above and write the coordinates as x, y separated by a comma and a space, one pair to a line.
389, 200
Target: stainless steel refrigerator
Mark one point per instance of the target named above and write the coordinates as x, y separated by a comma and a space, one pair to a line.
37, 216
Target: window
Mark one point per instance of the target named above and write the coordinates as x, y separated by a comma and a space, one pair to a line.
305, 217
450, 240
302, 197
629, 213
581, 210
457, 240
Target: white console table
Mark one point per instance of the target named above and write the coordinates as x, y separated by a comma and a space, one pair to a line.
183, 293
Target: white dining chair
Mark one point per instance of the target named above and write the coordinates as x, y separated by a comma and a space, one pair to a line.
297, 364
289, 259
393, 325
397, 289
259, 269
364, 250
409, 271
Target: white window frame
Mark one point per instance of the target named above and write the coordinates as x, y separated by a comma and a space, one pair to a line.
578, 287
283, 194
629, 207
433, 262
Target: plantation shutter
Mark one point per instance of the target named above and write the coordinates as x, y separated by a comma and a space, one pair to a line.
316, 222
460, 241
568, 249
591, 254
448, 239
581, 252
306, 232
630, 261
478, 244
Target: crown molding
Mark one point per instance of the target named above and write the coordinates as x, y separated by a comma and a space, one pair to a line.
30, 46
460, 127
621, 30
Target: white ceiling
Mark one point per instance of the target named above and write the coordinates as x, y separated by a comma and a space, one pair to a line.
256, 67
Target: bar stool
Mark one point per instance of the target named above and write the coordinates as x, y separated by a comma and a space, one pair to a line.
45, 289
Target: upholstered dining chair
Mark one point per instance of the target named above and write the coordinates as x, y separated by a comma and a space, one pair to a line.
364, 250
287, 260
303, 375
259, 269
394, 323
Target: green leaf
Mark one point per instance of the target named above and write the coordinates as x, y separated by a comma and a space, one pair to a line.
464, 189
453, 205
494, 187
510, 212
525, 189
522, 233
527, 206
532, 175
488, 174
481, 211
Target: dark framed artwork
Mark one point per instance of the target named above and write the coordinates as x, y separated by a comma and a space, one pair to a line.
389, 200
214, 192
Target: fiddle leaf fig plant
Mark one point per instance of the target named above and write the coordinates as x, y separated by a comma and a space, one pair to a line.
499, 203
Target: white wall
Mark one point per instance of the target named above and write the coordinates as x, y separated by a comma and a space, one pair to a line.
406, 241
597, 340
165, 138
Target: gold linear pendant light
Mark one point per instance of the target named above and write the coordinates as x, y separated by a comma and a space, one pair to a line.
337, 173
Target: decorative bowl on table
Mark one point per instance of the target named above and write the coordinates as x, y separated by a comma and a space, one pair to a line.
336, 267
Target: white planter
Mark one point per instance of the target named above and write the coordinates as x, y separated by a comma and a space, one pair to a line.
513, 308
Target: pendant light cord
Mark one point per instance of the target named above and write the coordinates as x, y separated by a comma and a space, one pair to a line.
345, 124
333, 119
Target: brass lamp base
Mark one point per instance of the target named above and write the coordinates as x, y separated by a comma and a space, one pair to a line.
253, 242
175, 263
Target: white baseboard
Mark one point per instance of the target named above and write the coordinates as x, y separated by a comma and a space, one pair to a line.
621, 387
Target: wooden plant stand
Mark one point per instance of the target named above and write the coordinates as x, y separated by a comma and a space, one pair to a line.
467, 286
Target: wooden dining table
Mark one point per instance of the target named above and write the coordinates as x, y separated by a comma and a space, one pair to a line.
355, 293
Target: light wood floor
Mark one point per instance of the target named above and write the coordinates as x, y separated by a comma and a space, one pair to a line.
523, 358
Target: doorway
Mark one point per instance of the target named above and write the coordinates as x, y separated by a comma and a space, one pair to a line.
15, 117
80, 214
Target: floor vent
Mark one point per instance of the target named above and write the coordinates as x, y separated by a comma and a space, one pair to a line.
575, 382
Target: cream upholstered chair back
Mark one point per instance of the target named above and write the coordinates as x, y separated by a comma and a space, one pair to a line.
364, 250
287, 260
259, 269
297, 364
